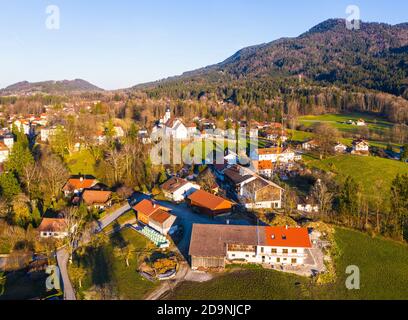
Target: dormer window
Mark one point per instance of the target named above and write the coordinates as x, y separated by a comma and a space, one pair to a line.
273, 237
283, 237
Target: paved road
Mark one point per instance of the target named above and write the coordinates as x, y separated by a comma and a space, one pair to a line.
63, 254
107, 220
62, 259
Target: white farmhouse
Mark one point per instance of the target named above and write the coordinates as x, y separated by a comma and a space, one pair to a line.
212, 246
178, 189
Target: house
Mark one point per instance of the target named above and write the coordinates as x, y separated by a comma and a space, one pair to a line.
265, 168
53, 228
118, 132
98, 199
209, 204
47, 133
307, 205
361, 147
237, 176
176, 129
310, 145
162, 221
212, 246
24, 126
155, 216
261, 194
340, 148
178, 189
274, 155
76, 185
192, 130
4, 152
8, 140
361, 123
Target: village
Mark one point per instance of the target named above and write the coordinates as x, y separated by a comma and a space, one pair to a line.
204, 216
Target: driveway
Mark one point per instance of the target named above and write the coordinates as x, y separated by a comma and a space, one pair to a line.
107, 220
186, 217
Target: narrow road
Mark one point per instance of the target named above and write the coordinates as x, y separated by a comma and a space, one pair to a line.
63, 254
62, 259
107, 220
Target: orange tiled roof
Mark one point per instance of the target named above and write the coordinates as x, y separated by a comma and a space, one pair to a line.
160, 216
96, 196
78, 184
265, 151
148, 207
52, 225
207, 200
265, 165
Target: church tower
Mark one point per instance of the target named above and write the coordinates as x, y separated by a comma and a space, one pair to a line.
167, 116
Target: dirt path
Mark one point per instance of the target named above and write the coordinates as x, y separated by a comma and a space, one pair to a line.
184, 274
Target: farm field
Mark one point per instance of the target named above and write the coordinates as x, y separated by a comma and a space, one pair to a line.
383, 267
366, 170
112, 272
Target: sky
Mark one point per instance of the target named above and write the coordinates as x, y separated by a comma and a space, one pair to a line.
120, 43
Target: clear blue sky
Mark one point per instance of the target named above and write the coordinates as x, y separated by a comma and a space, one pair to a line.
117, 44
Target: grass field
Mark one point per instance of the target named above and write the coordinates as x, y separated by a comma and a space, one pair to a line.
81, 162
338, 121
112, 271
383, 268
366, 170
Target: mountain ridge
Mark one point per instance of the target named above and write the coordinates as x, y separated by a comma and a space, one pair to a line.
50, 87
372, 57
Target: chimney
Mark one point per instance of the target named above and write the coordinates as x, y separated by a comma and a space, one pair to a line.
287, 227
81, 179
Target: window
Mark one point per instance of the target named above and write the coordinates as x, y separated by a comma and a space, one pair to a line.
233, 255
247, 256
278, 260
294, 250
294, 261
285, 251
262, 249
274, 250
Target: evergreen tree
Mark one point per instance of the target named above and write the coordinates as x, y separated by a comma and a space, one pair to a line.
9, 185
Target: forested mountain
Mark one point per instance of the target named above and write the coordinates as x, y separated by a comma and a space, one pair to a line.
348, 67
51, 87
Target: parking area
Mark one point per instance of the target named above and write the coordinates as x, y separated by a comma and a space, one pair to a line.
186, 217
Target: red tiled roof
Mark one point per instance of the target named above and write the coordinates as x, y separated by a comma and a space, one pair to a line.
287, 237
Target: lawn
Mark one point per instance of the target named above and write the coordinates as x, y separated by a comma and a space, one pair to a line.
104, 269
366, 170
383, 268
81, 162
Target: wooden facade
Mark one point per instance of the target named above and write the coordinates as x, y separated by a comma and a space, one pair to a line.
207, 262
